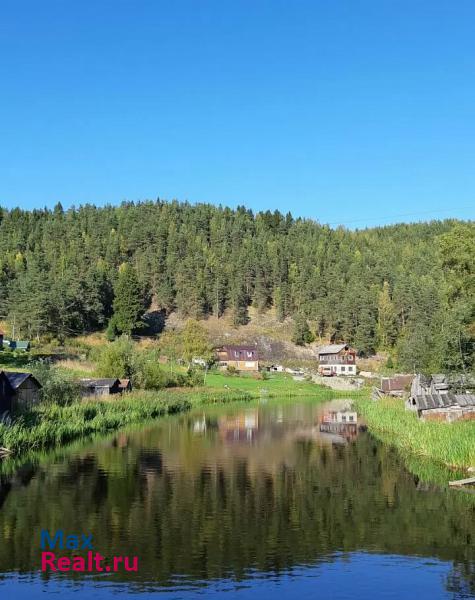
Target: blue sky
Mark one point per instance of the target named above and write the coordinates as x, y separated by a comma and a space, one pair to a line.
346, 111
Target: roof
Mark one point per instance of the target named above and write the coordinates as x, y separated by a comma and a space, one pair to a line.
332, 348
22, 344
434, 401
107, 382
231, 350
3, 377
16, 379
396, 383
238, 347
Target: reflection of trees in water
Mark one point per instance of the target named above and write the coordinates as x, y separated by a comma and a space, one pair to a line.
182, 514
461, 581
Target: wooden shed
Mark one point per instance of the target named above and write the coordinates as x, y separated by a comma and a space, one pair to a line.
18, 390
444, 407
100, 387
434, 400
6, 394
396, 385
125, 385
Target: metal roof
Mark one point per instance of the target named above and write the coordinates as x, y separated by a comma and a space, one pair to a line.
108, 382
432, 401
396, 383
332, 348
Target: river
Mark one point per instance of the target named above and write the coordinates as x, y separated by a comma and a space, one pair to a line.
262, 500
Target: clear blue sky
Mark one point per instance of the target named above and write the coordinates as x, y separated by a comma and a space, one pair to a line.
347, 111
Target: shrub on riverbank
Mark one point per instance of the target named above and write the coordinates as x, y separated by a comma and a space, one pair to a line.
125, 359
56, 387
452, 444
48, 425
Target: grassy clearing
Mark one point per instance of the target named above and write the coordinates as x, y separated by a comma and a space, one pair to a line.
277, 385
76, 368
50, 425
450, 444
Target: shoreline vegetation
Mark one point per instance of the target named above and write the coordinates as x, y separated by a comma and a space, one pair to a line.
449, 444
49, 425
431, 451
63, 417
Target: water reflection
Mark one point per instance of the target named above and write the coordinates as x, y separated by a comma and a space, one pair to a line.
227, 493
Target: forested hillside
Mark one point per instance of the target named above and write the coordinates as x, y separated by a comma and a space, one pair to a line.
408, 289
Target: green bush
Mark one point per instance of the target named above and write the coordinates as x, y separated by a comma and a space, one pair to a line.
195, 377
117, 359
122, 358
56, 388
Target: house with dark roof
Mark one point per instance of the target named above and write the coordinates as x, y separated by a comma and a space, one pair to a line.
337, 359
18, 391
241, 358
100, 387
396, 385
435, 399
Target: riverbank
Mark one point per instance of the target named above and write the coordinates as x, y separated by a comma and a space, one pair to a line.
49, 425
449, 444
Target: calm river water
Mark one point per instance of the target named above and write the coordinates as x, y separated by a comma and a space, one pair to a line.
275, 499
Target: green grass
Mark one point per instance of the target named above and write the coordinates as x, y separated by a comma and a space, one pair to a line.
14, 361
50, 425
278, 384
450, 444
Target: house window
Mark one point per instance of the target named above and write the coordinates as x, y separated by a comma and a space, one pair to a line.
343, 368
236, 353
249, 354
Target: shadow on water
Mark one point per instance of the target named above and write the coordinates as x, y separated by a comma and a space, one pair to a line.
228, 492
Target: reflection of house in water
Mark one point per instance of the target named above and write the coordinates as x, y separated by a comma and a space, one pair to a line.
340, 423
242, 427
199, 425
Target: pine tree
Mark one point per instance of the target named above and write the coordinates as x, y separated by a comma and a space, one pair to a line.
301, 334
128, 301
386, 329
239, 305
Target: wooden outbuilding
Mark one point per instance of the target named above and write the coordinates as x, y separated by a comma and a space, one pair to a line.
100, 387
125, 385
18, 391
434, 400
396, 385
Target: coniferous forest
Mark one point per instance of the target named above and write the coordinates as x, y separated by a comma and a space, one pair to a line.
408, 289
